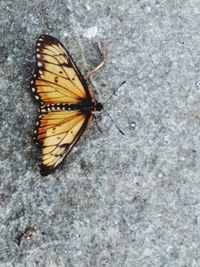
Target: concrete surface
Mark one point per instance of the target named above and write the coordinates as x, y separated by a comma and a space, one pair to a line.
118, 201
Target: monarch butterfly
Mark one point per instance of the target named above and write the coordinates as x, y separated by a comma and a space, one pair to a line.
66, 103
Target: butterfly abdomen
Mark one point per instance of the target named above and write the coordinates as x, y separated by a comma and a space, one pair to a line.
58, 107
84, 107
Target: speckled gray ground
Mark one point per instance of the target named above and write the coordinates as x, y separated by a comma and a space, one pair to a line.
122, 201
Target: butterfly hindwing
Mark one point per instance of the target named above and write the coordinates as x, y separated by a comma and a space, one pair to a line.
57, 133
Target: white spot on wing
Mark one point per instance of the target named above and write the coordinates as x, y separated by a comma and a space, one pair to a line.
39, 64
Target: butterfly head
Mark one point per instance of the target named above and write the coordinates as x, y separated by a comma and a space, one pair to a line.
99, 106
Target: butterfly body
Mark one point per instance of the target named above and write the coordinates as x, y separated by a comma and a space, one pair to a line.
66, 103
84, 107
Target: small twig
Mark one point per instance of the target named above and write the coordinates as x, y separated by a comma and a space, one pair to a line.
99, 65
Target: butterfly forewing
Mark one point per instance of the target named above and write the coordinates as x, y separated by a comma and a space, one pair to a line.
57, 76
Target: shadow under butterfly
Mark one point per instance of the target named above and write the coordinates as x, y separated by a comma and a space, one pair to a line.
67, 103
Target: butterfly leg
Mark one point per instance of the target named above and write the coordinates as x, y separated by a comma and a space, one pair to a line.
99, 65
99, 128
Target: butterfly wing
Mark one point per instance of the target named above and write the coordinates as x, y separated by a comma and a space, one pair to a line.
57, 78
57, 133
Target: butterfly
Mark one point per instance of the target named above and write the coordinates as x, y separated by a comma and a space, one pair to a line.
67, 105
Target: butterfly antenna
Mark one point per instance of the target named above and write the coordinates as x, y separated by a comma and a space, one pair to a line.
114, 92
113, 121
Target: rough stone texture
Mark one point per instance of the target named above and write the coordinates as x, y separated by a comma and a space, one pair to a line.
127, 201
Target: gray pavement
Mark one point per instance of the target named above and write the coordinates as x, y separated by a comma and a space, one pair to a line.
118, 201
